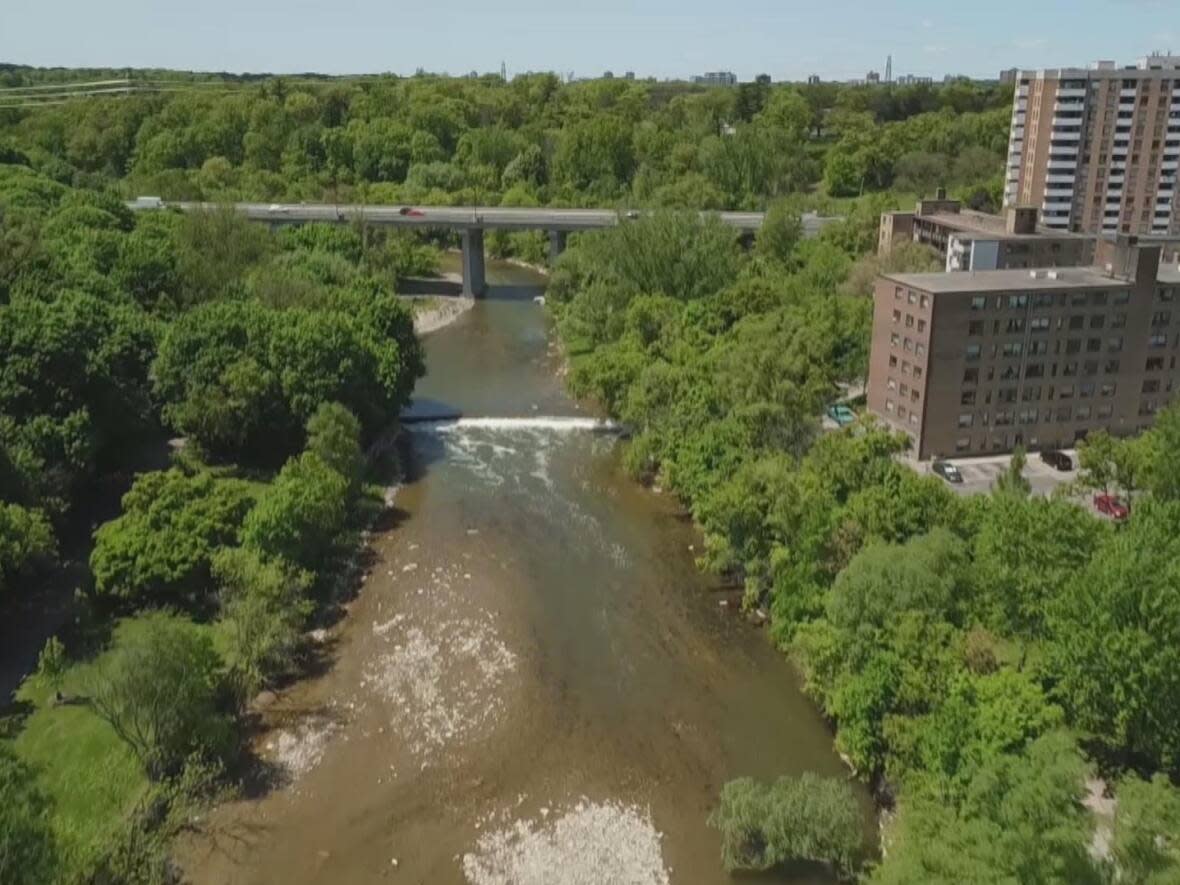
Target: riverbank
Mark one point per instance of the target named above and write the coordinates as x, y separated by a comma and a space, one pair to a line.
438, 309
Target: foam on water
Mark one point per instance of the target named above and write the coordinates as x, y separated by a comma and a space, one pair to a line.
449, 425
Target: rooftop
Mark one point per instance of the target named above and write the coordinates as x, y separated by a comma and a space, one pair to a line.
1059, 278
993, 226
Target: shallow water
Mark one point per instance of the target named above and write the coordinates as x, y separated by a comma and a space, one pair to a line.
532, 632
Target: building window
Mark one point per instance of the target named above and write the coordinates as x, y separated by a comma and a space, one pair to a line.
1065, 392
917, 371
909, 344
971, 376
1031, 394
1017, 302
1078, 299
967, 398
1069, 370
1097, 321
1121, 297
1161, 317
921, 325
925, 301
1077, 321
889, 405
1013, 348
1083, 413
892, 361
1006, 395
1090, 367
1039, 324
1086, 390
966, 419
1111, 367
1034, 370
920, 350
1015, 327
897, 316
912, 297
1158, 341
1154, 364
901, 411
1114, 344
909, 321
962, 444
1073, 345
905, 367
1063, 413
1038, 347
975, 327
914, 418
1104, 412
979, 302
1118, 321
905, 390
1106, 389
894, 339
1027, 416
891, 384
1165, 295
1151, 385
897, 292
1093, 345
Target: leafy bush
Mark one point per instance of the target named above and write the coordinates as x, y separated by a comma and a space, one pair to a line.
28, 848
809, 818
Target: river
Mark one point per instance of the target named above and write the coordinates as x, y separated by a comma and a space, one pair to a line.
534, 674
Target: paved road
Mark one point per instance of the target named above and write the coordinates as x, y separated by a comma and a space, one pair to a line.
489, 217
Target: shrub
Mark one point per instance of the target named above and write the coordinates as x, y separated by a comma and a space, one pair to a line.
808, 818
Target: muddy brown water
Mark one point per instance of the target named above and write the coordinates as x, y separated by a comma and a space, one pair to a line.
533, 631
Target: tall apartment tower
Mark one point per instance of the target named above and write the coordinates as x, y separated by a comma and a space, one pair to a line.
1097, 149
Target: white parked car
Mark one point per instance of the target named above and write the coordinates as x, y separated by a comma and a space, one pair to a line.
147, 203
276, 208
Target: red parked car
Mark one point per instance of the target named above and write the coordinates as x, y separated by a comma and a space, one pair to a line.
1111, 506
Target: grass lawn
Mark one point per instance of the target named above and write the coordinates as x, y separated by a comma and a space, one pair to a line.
91, 776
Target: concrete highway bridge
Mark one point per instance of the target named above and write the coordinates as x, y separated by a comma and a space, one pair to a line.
471, 222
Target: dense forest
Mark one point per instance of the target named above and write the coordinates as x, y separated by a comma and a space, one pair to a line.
274, 360
981, 659
984, 659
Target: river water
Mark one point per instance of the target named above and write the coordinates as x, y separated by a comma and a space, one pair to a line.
534, 683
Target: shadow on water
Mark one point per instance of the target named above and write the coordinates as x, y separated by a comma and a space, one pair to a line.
430, 286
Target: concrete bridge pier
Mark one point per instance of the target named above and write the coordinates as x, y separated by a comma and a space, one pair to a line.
474, 278
556, 245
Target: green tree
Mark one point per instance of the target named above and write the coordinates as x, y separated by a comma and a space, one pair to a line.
1146, 841
263, 610
1115, 650
809, 818
781, 231
300, 515
159, 551
160, 688
26, 539
1013, 481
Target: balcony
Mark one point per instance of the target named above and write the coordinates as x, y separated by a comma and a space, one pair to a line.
1127, 93
1074, 92
1065, 136
1059, 179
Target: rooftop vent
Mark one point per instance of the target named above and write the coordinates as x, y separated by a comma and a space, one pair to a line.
1051, 274
1035, 274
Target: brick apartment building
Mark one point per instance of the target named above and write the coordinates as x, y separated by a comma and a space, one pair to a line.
1097, 149
981, 362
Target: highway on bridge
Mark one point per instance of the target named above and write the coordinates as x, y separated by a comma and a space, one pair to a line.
470, 221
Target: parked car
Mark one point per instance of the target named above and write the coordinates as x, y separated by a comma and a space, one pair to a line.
1111, 506
410, 212
1057, 460
947, 471
841, 414
278, 209
147, 203
632, 215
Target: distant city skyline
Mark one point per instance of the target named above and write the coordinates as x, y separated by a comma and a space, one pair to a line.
836, 39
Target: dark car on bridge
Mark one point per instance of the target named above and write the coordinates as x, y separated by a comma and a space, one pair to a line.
410, 211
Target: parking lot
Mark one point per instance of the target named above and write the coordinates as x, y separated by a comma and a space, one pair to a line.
979, 474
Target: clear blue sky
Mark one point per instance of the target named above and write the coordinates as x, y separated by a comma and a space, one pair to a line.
663, 38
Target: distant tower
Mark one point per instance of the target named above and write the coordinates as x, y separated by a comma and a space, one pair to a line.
504, 71
889, 69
